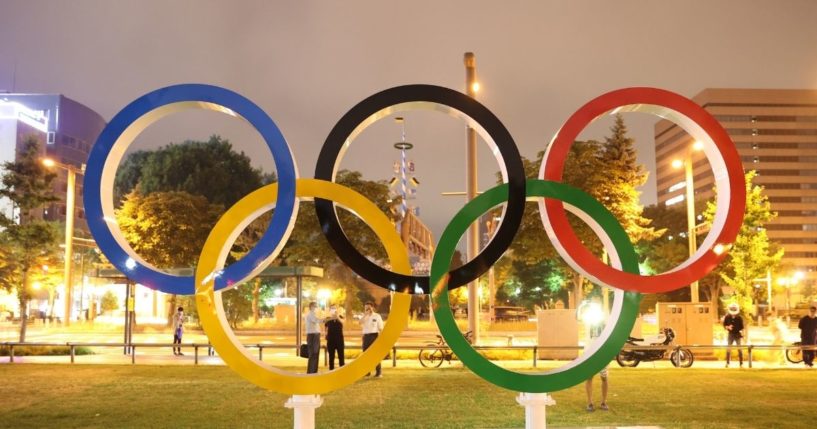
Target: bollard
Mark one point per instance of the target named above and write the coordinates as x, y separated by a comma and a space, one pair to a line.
304, 408
195, 354
750, 355
535, 409
394, 357
11, 353
260, 352
133, 355
534, 356
71, 346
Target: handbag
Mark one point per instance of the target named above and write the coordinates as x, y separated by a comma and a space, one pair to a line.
304, 351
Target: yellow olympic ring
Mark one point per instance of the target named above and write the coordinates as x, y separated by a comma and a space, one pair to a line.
211, 310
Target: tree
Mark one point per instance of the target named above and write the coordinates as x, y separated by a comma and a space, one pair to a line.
237, 304
533, 259
210, 169
308, 246
28, 240
752, 255
622, 178
108, 302
609, 172
167, 229
665, 252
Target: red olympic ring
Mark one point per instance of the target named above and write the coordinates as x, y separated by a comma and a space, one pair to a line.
719, 150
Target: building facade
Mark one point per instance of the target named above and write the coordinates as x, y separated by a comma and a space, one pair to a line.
66, 131
775, 132
66, 128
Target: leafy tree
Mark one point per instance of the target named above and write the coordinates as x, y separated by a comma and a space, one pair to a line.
609, 172
752, 255
664, 253
26, 183
238, 304
308, 246
167, 229
211, 169
532, 257
108, 302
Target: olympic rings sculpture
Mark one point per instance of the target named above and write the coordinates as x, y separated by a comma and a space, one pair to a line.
553, 197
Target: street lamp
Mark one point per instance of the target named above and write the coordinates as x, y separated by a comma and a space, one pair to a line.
70, 196
690, 199
323, 297
788, 283
471, 186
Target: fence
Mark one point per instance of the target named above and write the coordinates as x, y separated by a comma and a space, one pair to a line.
131, 348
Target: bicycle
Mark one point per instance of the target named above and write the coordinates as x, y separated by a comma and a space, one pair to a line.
439, 352
794, 355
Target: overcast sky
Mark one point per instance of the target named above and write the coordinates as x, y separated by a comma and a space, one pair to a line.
306, 63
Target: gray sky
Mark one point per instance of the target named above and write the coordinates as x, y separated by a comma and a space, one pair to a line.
307, 62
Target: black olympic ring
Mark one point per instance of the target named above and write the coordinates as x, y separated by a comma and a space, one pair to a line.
334, 146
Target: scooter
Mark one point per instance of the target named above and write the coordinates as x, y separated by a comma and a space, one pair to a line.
682, 357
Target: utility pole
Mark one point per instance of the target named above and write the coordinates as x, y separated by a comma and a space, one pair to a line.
472, 239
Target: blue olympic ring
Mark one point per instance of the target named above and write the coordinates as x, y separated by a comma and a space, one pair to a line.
120, 132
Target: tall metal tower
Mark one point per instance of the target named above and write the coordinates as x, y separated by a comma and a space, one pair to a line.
404, 173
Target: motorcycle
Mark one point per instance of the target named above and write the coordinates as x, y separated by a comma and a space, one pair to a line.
680, 357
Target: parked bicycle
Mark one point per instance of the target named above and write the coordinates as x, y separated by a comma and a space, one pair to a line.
795, 355
436, 353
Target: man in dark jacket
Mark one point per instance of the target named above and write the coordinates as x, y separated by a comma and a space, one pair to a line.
733, 324
808, 334
334, 336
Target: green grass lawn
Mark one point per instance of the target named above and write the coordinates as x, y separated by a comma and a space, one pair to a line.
154, 396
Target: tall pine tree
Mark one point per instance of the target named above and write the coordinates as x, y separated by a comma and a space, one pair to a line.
623, 176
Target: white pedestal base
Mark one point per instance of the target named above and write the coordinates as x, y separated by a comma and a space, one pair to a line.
535, 413
304, 408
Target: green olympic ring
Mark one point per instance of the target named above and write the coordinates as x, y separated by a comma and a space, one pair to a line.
599, 353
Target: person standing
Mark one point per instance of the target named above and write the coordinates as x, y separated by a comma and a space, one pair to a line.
313, 337
372, 324
733, 324
808, 334
178, 330
334, 336
592, 314
779, 331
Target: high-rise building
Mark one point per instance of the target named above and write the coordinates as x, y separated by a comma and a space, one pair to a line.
775, 131
67, 129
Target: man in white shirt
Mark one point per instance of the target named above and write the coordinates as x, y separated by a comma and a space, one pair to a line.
372, 324
313, 337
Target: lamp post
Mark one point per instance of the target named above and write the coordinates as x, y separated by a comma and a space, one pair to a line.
70, 196
788, 283
472, 238
690, 200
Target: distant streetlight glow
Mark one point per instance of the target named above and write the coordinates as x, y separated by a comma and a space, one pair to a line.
48, 162
677, 163
475, 87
